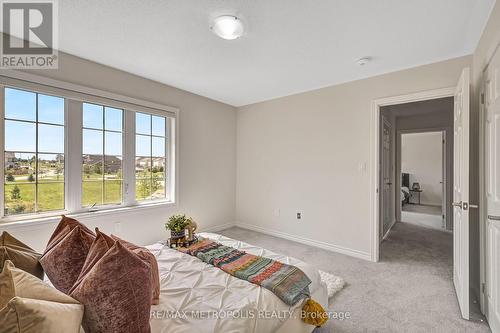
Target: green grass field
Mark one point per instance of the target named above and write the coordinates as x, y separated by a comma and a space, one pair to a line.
51, 194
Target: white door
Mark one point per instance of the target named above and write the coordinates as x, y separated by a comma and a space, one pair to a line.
492, 228
461, 193
386, 178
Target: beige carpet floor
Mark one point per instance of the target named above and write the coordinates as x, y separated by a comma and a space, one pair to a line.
424, 209
409, 290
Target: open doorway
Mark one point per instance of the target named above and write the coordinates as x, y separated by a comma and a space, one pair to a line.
423, 178
407, 242
416, 165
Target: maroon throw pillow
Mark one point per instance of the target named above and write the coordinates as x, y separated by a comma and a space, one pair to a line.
64, 227
102, 243
63, 260
116, 292
146, 255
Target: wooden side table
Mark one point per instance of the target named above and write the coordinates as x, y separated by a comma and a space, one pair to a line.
413, 194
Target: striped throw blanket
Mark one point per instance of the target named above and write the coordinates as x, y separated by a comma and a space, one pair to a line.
287, 282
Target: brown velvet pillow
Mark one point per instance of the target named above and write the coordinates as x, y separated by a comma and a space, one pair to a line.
102, 243
21, 255
63, 228
64, 258
116, 291
146, 255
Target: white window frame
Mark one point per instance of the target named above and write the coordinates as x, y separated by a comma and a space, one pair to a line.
75, 96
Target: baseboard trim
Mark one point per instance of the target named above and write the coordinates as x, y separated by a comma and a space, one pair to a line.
307, 241
217, 227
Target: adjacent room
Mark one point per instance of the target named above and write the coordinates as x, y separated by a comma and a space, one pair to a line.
423, 181
263, 166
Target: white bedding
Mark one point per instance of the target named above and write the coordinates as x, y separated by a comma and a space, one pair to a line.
189, 286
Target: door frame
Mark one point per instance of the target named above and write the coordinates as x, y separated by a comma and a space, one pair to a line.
374, 164
444, 165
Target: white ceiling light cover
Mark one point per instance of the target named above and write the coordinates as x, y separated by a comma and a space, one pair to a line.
227, 27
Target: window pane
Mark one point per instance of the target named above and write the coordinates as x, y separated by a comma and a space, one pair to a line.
19, 167
158, 126
19, 199
158, 168
92, 116
142, 145
92, 142
142, 123
143, 189
112, 191
112, 167
20, 136
158, 147
20, 104
113, 119
50, 138
113, 142
50, 196
157, 188
50, 167
143, 167
92, 167
51, 109
92, 193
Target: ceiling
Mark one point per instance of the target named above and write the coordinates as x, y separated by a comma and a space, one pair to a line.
289, 46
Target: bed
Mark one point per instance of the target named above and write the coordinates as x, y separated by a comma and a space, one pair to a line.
197, 297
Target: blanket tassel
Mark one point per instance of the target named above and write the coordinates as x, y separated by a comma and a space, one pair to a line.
313, 313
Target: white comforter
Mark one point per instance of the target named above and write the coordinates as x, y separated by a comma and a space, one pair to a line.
197, 297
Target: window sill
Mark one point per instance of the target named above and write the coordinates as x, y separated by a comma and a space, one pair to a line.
21, 221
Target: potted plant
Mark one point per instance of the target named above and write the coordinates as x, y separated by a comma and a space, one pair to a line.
177, 225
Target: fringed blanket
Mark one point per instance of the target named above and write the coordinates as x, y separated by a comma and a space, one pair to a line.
287, 282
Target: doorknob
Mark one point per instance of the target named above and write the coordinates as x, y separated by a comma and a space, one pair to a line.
457, 204
473, 206
494, 218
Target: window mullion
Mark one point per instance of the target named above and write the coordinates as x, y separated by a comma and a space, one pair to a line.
2, 151
73, 155
171, 175
128, 158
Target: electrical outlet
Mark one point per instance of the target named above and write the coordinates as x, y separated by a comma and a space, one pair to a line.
118, 228
299, 215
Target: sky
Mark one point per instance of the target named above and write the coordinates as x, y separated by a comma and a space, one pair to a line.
99, 123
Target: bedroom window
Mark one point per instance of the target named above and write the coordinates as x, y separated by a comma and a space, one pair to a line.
102, 136
69, 152
33, 152
150, 157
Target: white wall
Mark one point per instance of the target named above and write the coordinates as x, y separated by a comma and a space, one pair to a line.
422, 158
309, 152
207, 156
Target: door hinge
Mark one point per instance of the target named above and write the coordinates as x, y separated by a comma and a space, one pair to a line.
483, 288
482, 98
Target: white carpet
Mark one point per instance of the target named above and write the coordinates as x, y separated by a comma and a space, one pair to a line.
334, 283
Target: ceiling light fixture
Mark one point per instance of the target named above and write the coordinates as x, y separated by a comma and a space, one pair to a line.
227, 27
